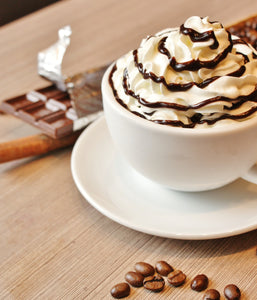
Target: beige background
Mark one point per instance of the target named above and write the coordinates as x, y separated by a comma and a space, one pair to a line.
53, 244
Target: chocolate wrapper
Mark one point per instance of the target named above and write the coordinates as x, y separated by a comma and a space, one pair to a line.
85, 91
50, 59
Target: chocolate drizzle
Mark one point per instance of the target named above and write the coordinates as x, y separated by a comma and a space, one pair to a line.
179, 86
196, 118
170, 86
180, 107
192, 65
200, 37
115, 93
193, 122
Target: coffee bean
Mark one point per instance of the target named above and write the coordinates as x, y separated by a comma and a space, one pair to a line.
163, 268
199, 283
232, 292
211, 294
134, 278
144, 268
120, 290
176, 278
154, 283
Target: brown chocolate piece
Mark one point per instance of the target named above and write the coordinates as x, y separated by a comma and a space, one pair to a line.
12, 105
56, 124
30, 107
50, 109
34, 112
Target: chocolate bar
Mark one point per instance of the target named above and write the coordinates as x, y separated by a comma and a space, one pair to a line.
47, 109
57, 113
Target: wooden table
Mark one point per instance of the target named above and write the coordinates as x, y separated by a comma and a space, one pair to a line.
53, 244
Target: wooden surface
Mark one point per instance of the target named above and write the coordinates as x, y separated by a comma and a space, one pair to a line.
53, 244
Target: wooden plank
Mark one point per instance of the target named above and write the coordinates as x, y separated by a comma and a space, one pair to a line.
53, 244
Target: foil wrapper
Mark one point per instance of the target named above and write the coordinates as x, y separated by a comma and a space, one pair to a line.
50, 59
84, 89
86, 98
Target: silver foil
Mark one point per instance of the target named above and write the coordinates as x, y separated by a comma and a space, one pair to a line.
50, 59
50, 67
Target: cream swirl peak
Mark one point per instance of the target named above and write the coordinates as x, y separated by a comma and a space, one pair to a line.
195, 75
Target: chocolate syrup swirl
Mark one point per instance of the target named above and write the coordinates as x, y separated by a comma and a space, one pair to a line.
180, 86
160, 104
196, 118
200, 37
229, 104
115, 93
194, 64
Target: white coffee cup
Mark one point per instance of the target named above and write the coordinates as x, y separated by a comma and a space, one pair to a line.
183, 159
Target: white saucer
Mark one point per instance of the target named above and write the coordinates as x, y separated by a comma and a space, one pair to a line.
125, 196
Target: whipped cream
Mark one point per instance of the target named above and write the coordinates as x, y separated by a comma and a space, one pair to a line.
194, 75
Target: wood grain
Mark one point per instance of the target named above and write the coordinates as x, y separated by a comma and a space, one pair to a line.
53, 244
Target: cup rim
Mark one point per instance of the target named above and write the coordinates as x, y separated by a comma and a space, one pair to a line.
163, 128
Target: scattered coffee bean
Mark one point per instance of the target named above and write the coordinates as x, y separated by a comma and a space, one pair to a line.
144, 268
163, 268
120, 290
154, 283
211, 294
134, 278
176, 278
199, 283
232, 292
144, 276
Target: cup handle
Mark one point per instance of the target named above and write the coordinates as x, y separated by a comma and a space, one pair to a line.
251, 175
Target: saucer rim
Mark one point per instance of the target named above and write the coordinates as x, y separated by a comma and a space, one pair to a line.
120, 220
